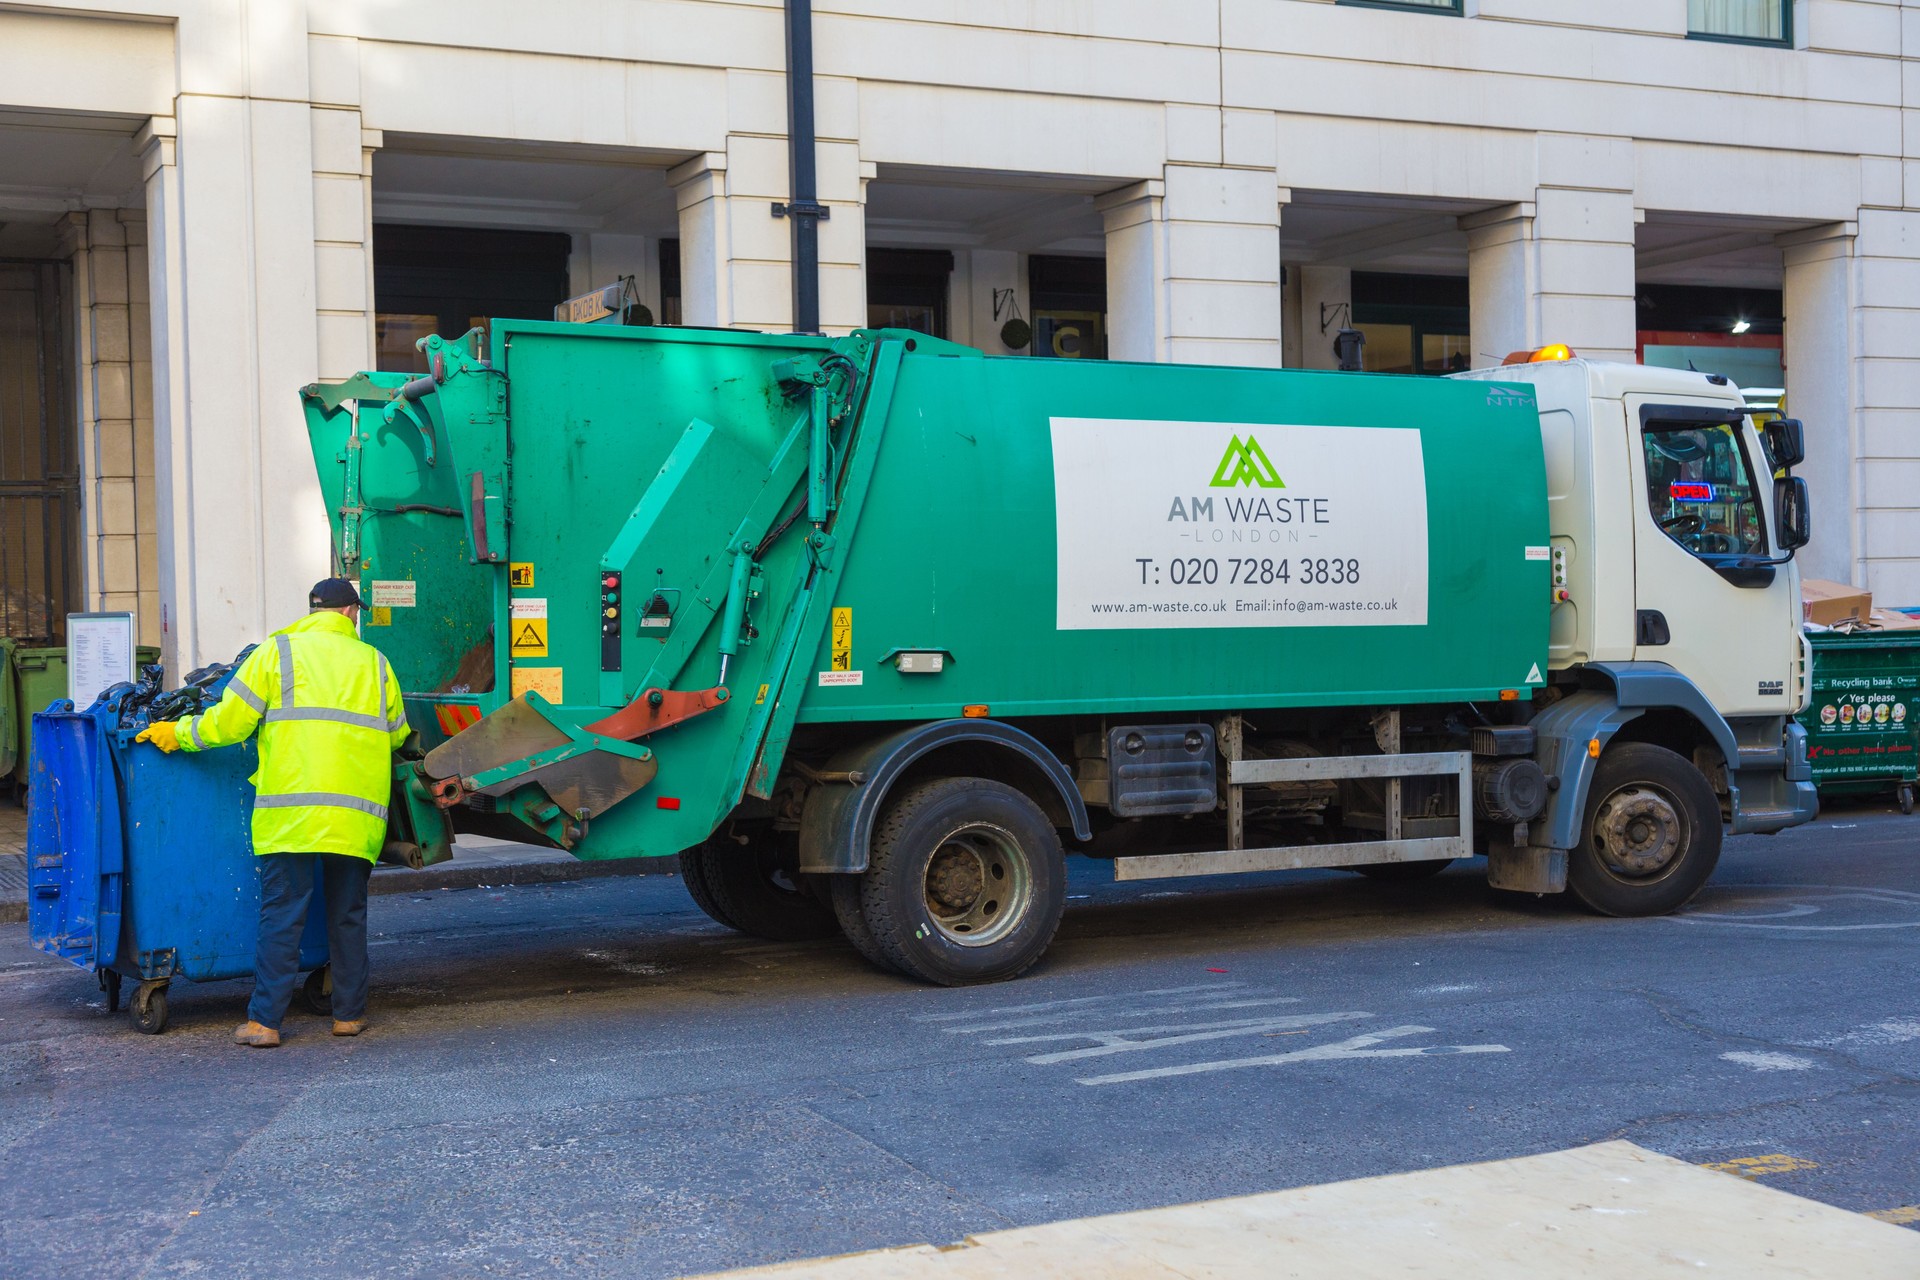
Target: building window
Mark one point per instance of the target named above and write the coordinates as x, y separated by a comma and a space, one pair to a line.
1430, 6
1741, 21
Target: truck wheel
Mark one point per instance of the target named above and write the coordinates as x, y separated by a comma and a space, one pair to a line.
694, 875
1401, 872
965, 883
756, 890
1651, 835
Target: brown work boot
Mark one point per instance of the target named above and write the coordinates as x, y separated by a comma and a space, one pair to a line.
255, 1036
352, 1028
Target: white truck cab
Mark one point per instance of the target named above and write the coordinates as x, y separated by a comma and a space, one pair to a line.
1676, 613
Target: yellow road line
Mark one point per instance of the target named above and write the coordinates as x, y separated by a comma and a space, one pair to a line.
1751, 1167
1902, 1216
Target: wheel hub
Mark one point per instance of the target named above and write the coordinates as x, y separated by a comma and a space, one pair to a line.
977, 885
1640, 832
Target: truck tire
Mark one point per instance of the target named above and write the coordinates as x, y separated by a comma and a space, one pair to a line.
853, 925
693, 874
1651, 835
965, 883
1402, 872
756, 890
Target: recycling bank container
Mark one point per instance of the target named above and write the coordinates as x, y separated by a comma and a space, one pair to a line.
140, 865
36, 677
1863, 723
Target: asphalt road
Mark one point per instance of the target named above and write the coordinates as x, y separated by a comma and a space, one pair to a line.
591, 1079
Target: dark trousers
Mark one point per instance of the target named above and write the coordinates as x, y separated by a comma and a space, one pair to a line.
286, 889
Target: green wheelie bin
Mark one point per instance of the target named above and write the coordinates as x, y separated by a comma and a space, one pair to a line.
1863, 722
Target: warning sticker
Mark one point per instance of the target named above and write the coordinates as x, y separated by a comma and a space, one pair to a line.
392, 593
760, 698
548, 682
842, 677
520, 575
843, 641
1539, 553
529, 638
529, 607
379, 616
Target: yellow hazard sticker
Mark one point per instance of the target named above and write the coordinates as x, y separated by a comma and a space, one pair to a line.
843, 639
520, 574
529, 638
380, 615
760, 698
548, 682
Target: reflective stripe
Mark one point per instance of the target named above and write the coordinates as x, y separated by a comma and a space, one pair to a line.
355, 718
305, 799
286, 669
383, 687
193, 732
246, 695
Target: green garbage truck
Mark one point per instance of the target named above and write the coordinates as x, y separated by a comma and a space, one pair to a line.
873, 631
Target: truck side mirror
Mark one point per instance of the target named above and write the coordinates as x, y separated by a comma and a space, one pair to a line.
1786, 443
1790, 509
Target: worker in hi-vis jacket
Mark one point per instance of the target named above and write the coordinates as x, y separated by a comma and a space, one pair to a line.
328, 709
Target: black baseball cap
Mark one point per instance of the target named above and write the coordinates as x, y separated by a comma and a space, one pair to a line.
333, 593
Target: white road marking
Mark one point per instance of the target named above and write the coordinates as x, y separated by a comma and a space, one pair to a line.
1153, 1012
1112, 1042
1775, 919
1079, 1000
1360, 1046
1892, 1031
1769, 1061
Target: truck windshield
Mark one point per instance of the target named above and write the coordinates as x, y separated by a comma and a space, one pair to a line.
1701, 488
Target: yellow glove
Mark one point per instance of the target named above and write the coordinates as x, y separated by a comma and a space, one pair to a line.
164, 734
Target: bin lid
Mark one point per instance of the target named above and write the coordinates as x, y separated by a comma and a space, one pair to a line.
74, 841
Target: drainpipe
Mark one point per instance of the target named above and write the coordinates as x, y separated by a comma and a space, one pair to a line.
804, 210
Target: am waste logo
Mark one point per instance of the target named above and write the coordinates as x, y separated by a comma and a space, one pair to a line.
1246, 463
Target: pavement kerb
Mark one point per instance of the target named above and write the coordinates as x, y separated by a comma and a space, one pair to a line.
1591, 1213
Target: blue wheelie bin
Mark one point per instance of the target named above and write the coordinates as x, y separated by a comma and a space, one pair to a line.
140, 865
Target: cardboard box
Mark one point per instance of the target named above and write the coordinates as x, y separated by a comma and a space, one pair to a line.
1831, 603
1894, 620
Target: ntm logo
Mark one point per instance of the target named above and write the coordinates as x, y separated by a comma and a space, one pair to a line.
1246, 463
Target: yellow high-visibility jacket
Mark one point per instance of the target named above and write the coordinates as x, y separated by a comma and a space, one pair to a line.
330, 718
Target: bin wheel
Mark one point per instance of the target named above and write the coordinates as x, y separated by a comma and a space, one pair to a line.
110, 983
1906, 798
317, 992
148, 1008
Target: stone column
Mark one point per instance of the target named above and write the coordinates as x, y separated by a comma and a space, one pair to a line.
1821, 346
1853, 377
1193, 267
1887, 378
107, 249
1558, 268
242, 526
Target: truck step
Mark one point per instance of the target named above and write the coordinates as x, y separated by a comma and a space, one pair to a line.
1230, 862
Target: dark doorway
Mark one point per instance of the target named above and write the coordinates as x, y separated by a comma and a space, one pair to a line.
1414, 324
908, 288
39, 455
1069, 297
446, 280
